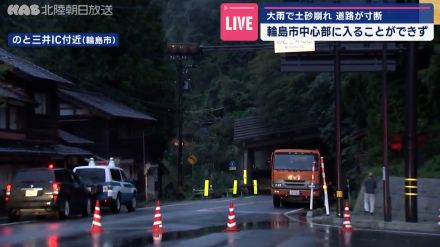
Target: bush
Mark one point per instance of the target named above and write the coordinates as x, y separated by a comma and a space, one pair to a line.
431, 169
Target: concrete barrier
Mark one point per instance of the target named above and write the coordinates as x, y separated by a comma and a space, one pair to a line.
428, 199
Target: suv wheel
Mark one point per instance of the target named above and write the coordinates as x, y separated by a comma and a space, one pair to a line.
116, 205
13, 215
64, 210
87, 208
131, 206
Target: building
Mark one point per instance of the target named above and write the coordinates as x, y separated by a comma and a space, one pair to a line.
44, 119
29, 135
116, 130
257, 140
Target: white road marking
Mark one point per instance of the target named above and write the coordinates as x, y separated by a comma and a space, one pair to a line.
257, 212
185, 204
197, 202
226, 206
17, 223
292, 211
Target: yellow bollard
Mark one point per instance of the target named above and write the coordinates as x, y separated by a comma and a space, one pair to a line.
255, 187
234, 188
244, 177
206, 191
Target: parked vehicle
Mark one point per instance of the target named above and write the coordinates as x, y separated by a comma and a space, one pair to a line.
109, 185
292, 176
41, 191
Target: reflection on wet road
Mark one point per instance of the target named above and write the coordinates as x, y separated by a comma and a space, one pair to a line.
201, 223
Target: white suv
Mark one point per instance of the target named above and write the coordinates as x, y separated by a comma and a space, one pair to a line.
109, 185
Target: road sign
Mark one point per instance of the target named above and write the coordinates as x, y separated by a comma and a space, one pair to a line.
232, 165
192, 159
355, 57
284, 46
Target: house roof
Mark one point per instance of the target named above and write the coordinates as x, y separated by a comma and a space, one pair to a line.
104, 104
72, 139
42, 150
9, 92
254, 127
29, 68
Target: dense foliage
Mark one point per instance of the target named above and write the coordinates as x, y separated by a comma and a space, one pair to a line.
228, 85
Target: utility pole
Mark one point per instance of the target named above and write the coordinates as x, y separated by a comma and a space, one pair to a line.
337, 79
180, 52
385, 176
411, 127
180, 127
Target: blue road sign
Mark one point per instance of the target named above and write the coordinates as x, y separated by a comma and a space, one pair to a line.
232, 165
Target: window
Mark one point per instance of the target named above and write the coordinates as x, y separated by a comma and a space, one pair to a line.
2, 118
66, 110
33, 176
294, 161
41, 100
94, 175
116, 175
82, 111
11, 118
124, 178
13, 123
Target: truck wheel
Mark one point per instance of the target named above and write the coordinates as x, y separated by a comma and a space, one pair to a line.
276, 201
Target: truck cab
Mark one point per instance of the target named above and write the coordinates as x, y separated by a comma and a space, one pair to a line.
291, 176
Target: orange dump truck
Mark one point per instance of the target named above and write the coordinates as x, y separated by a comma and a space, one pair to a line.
292, 176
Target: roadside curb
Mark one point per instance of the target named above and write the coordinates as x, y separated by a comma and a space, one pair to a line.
366, 224
359, 222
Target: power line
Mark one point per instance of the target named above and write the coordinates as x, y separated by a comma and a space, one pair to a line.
205, 110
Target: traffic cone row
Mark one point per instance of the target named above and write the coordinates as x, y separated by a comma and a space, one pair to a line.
96, 223
157, 228
157, 222
231, 225
346, 223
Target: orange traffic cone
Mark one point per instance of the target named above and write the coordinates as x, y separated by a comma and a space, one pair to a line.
96, 223
346, 224
438, 223
231, 225
157, 223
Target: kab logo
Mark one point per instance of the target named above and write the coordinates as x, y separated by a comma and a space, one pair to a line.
239, 22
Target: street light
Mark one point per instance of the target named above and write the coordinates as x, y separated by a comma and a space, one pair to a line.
180, 52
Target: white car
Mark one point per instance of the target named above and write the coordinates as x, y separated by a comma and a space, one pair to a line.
109, 185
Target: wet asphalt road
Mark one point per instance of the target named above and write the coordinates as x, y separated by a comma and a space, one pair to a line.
201, 223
